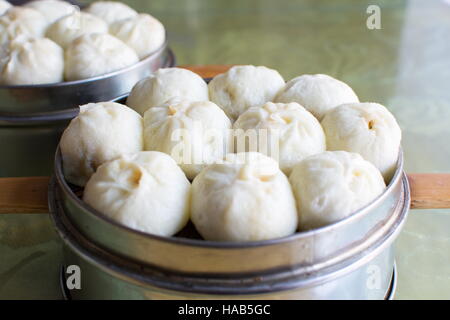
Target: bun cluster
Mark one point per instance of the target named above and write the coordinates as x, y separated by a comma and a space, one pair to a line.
105, 37
266, 158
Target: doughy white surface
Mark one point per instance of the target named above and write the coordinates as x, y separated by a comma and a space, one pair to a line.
317, 93
287, 132
143, 33
331, 186
97, 54
21, 21
368, 129
243, 87
4, 6
145, 191
101, 132
30, 61
244, 198
111, 11
193, 133
165, 86
74, 25
52, 10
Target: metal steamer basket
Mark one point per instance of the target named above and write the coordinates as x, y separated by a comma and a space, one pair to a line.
33, 117
351, 259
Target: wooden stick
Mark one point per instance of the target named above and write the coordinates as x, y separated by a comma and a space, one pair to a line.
23, 195
29, 195
430, 191
208, 71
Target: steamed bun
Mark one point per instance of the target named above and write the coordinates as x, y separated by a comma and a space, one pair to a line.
317, 93
244, 198
145, 191
97, 54
243, 87
21, 21
331, 186
52, 10
286, 132
4, 6
143, 33
165, 86
102, 132
28, 61
193, 133
72, 26
368, 129
111, 11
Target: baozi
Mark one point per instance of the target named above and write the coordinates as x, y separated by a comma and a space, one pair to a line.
111, 11
72, 26
21, 21
143, 33
28, 61
331, 186
145, 191
286, 132
167, 86
52, 10
243, 87
101, 132
96, 54
246, 197
4, 6
317, 93
193, 133
368, 129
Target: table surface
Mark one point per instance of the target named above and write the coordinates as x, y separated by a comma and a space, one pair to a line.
405, 66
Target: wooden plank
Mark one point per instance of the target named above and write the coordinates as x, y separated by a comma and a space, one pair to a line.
430, 191
208, 71
23, 195
29, 195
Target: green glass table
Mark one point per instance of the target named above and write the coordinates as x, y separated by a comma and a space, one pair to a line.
405, 65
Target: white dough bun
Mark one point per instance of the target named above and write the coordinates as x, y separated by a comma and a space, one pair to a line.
145, 191
244, 198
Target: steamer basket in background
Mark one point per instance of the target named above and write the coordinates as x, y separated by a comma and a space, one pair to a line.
351, 259
33, 117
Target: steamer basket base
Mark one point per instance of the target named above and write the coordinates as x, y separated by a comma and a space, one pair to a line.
107, 276
365, 272
67, 295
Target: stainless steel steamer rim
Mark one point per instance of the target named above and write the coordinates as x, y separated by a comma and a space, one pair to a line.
62, 183
366, 210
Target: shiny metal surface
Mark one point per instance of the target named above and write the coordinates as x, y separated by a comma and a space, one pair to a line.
393, 289
68, 295
32, 118
309, 251
366, 274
